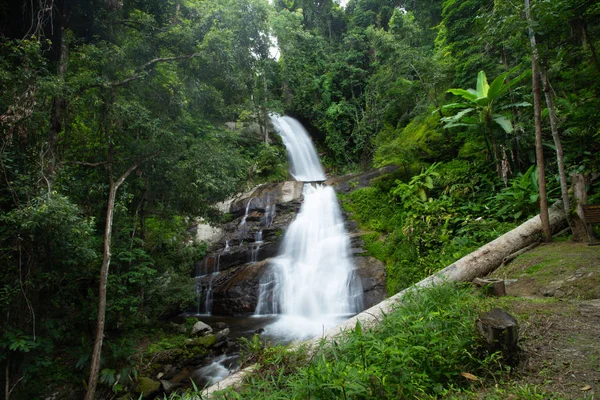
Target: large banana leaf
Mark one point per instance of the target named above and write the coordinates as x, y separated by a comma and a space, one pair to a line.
482, 85
504, 122
466, 94
497, 87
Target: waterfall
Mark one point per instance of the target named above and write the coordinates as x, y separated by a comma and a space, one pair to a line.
305, 165
210, 268
313, 283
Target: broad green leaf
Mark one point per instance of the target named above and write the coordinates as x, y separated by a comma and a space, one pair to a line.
514, 105
458, 116
453, 125
482, 84
496, 86
463, 93
504, 122
452, 106
482, 101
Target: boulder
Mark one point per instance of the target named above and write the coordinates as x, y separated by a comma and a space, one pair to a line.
220, 325
169, 387
206, 341
200, 328
146, 387
222, 334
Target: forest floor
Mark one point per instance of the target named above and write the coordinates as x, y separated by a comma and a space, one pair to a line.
554, 293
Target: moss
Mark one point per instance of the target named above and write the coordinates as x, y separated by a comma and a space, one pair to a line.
206, 341
146, 386
421, 138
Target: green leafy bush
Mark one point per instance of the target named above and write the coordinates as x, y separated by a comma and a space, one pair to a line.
417, 351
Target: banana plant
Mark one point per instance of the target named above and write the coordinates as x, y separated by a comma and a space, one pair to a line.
481, 108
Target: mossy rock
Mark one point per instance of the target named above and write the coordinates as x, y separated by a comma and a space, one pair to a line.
146, 386
206, 341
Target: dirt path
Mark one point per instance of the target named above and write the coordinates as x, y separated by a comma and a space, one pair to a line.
554, 291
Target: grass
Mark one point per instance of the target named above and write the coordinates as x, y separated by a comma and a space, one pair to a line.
420, 350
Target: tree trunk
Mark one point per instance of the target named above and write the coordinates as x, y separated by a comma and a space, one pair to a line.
265, 113
97, 352
580, 182
564, 190
537, 113
59, 106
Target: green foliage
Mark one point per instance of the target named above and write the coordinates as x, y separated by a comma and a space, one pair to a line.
520, 197
425, 224
413, 143
418, 350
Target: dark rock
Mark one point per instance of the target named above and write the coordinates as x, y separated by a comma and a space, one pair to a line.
222, 334
170, 387
372, 274
236, 292
218, 326
259, 331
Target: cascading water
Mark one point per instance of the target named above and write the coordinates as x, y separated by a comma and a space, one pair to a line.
305, 165
313, 284
210, 269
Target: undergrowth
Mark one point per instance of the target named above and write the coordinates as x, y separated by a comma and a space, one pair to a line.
425, 224
417, 351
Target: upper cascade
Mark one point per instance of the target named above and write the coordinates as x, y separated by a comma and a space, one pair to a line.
305, 162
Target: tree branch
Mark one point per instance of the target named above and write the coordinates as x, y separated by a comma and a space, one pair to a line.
143, 70
88, 164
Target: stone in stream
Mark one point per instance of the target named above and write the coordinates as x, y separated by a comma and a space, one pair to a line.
200, 328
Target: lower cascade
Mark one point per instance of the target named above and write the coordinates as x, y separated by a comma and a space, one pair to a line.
313, 284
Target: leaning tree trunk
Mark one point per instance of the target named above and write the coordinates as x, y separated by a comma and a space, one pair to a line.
539, 149
97, 352
564, 190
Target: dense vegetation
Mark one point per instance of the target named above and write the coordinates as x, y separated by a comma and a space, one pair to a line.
113, 137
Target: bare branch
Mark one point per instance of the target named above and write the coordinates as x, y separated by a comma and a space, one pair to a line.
88, 164
143, 70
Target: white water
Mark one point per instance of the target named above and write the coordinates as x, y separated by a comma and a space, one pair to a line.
305, 165
313, 284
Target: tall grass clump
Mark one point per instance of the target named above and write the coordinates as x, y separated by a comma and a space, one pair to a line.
417, 351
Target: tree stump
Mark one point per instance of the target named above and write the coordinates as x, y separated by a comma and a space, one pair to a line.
580, 182
500, 331
491, 287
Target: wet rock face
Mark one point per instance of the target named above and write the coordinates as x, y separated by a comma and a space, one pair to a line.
237, 293
373, 277
235, 263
